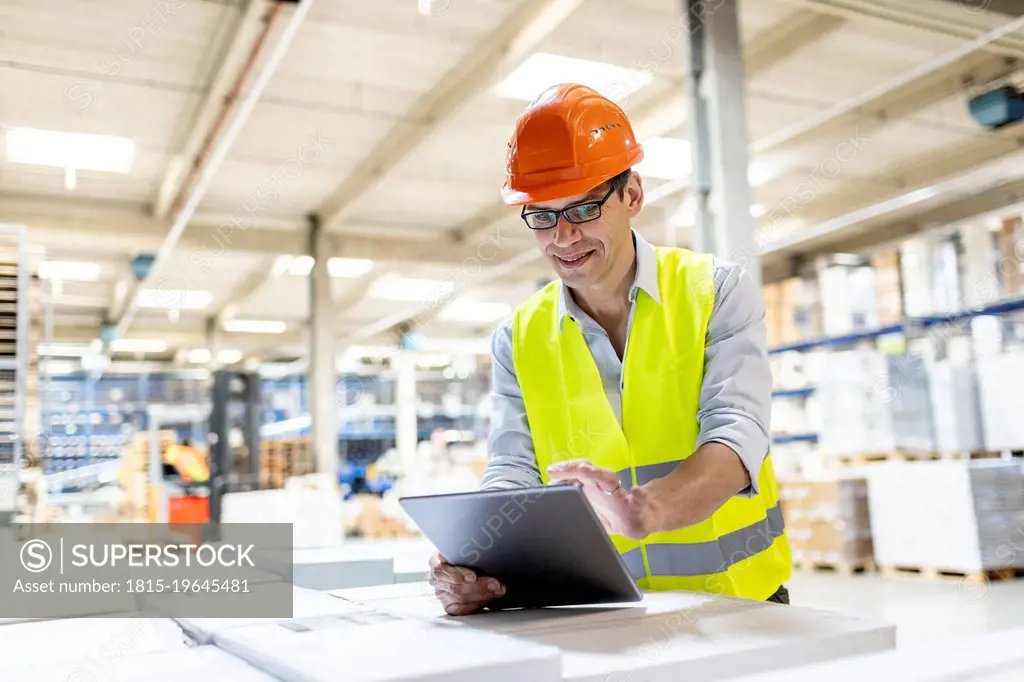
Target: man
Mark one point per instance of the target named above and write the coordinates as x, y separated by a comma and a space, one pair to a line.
640, 375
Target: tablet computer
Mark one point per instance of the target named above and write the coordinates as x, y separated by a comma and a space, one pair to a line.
545, 544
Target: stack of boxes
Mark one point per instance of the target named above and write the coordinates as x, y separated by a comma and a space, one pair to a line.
888, 287
948, 515
140, 497
1011, 250
282, 459
847, 299
801, 310
872, 403
828, 522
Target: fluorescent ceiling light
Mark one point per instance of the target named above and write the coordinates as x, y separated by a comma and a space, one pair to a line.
138, 346
665, 158
199, 356
59, 367
71, 271
406, 289
255, 326
63, 350
175, 299
301, 266
474, 311
281, 265
542, 70
349, 267
229, 356
70, 150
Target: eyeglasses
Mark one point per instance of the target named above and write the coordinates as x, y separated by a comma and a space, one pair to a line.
577, 213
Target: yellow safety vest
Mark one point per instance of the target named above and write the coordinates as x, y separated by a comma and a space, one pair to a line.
742, 549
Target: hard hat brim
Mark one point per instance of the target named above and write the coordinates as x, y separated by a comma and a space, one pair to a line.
553, 191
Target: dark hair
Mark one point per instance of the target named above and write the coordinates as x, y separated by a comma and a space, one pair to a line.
620, 181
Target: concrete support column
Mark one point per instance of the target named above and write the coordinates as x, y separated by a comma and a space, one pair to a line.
406, 431
321, 375
718, 123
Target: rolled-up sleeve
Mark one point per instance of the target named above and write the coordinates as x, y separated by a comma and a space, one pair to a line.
735, 397
512, 462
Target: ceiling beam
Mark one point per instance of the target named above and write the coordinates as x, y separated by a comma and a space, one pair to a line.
958, 19
516, 37
211, 113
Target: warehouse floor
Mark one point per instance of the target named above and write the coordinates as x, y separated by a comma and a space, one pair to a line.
924, 611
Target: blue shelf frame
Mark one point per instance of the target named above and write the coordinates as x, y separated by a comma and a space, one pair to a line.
782, 439
997, 308
793, 393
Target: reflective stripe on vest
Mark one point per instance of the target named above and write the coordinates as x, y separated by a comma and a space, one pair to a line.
742, 549
703, 558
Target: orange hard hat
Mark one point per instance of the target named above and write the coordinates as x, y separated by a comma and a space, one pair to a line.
567, 142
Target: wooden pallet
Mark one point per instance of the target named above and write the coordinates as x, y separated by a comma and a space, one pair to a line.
907, 456
840, 568
931, 573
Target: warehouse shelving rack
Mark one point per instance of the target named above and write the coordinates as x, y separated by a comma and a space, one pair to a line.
910, 326
14, 329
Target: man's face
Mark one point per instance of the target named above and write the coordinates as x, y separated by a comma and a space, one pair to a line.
584, 254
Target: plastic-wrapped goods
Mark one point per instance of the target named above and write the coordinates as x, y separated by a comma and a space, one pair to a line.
955, 406
948, 515
1000, 378
872, 403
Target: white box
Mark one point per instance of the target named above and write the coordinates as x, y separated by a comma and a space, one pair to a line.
188, 665
305, 604
667, 637
992, 657
58, 641
380, 647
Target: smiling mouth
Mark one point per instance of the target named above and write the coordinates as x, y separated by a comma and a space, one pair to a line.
574, 261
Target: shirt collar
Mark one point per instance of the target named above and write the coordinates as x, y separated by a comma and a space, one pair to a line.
645, 279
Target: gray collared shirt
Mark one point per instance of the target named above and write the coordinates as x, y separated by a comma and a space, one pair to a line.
735, 396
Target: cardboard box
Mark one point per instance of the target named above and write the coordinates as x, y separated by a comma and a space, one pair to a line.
800, 310
827, 521
1011, 248
670, 636
948, 515
991, 657
379, 646
188, 665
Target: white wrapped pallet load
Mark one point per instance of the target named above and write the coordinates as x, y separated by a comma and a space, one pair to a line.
668, 637
956, 409
375, 646
990, 657
188, 665
1000, 378
874, 403
948, 515
61, 641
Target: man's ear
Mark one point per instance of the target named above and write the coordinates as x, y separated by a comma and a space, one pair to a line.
634, 195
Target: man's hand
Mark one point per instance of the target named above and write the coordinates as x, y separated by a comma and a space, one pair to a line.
460, 590
621, 512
